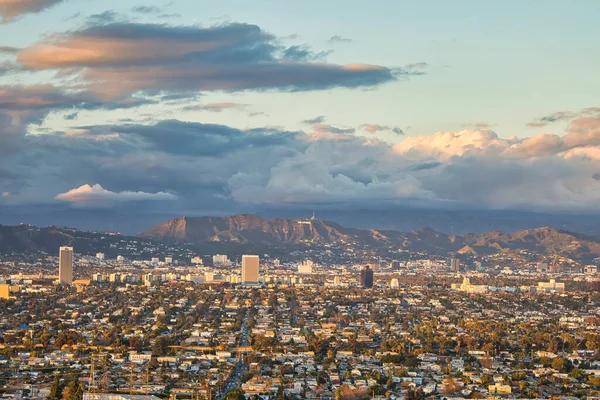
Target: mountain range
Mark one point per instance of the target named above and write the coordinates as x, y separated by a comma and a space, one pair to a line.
250, 231
287, 232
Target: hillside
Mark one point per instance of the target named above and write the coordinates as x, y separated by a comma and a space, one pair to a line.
246, 229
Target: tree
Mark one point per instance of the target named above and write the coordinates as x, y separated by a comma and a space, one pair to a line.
322, 377
73, 391
55, 389
235, 394
558, 363
450, 386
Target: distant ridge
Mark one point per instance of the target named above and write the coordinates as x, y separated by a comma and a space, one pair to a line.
251, 229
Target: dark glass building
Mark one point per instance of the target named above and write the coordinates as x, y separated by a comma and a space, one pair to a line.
366, 277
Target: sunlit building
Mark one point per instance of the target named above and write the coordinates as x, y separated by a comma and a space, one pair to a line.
65, 265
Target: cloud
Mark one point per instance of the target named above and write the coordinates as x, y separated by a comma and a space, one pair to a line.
316, 120
118, 59
258, 114
215, 107
9, 49
303, 53
146, 9
326, 128
559, 116
222, 168
103, 18
11, 9
374, 128
338, 39
96, 195
23, 105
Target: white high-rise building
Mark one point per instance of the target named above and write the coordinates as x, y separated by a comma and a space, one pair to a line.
394, 284
168, 260
306, 267
100, 256
120, 259
250, 267
65, 265
220, 259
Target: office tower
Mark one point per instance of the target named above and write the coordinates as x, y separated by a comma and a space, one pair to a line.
168, 260
306, 267
4, 291
596, 285
395, 265
337, 281
120, 259
220, 260
366, 277
65, 266
100, 256
394, 284
250, 269
454, 265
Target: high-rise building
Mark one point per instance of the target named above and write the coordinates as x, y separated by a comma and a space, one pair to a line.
306, 267
168, 260
454, 265
4, 291
65, 265
596, 285
394, 284
395, 265
250, 265
100, 256
220, 260
366, 277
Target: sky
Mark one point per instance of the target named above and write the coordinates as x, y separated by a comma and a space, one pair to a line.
122, 108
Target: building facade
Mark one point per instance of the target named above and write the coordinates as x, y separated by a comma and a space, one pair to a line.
250, 266
65, 265
366, 277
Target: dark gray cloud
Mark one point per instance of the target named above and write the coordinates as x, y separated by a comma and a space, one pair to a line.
258, 114
303, 53
316, 120
338, 39
559, 116
9, 10
191, 138
118, 59
146, 9
426, 165
9, 49
222, 168
106, 17
215, 107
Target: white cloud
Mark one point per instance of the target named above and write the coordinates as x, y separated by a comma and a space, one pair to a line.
96, 196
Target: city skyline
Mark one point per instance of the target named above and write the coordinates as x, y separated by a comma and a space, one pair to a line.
196, 108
